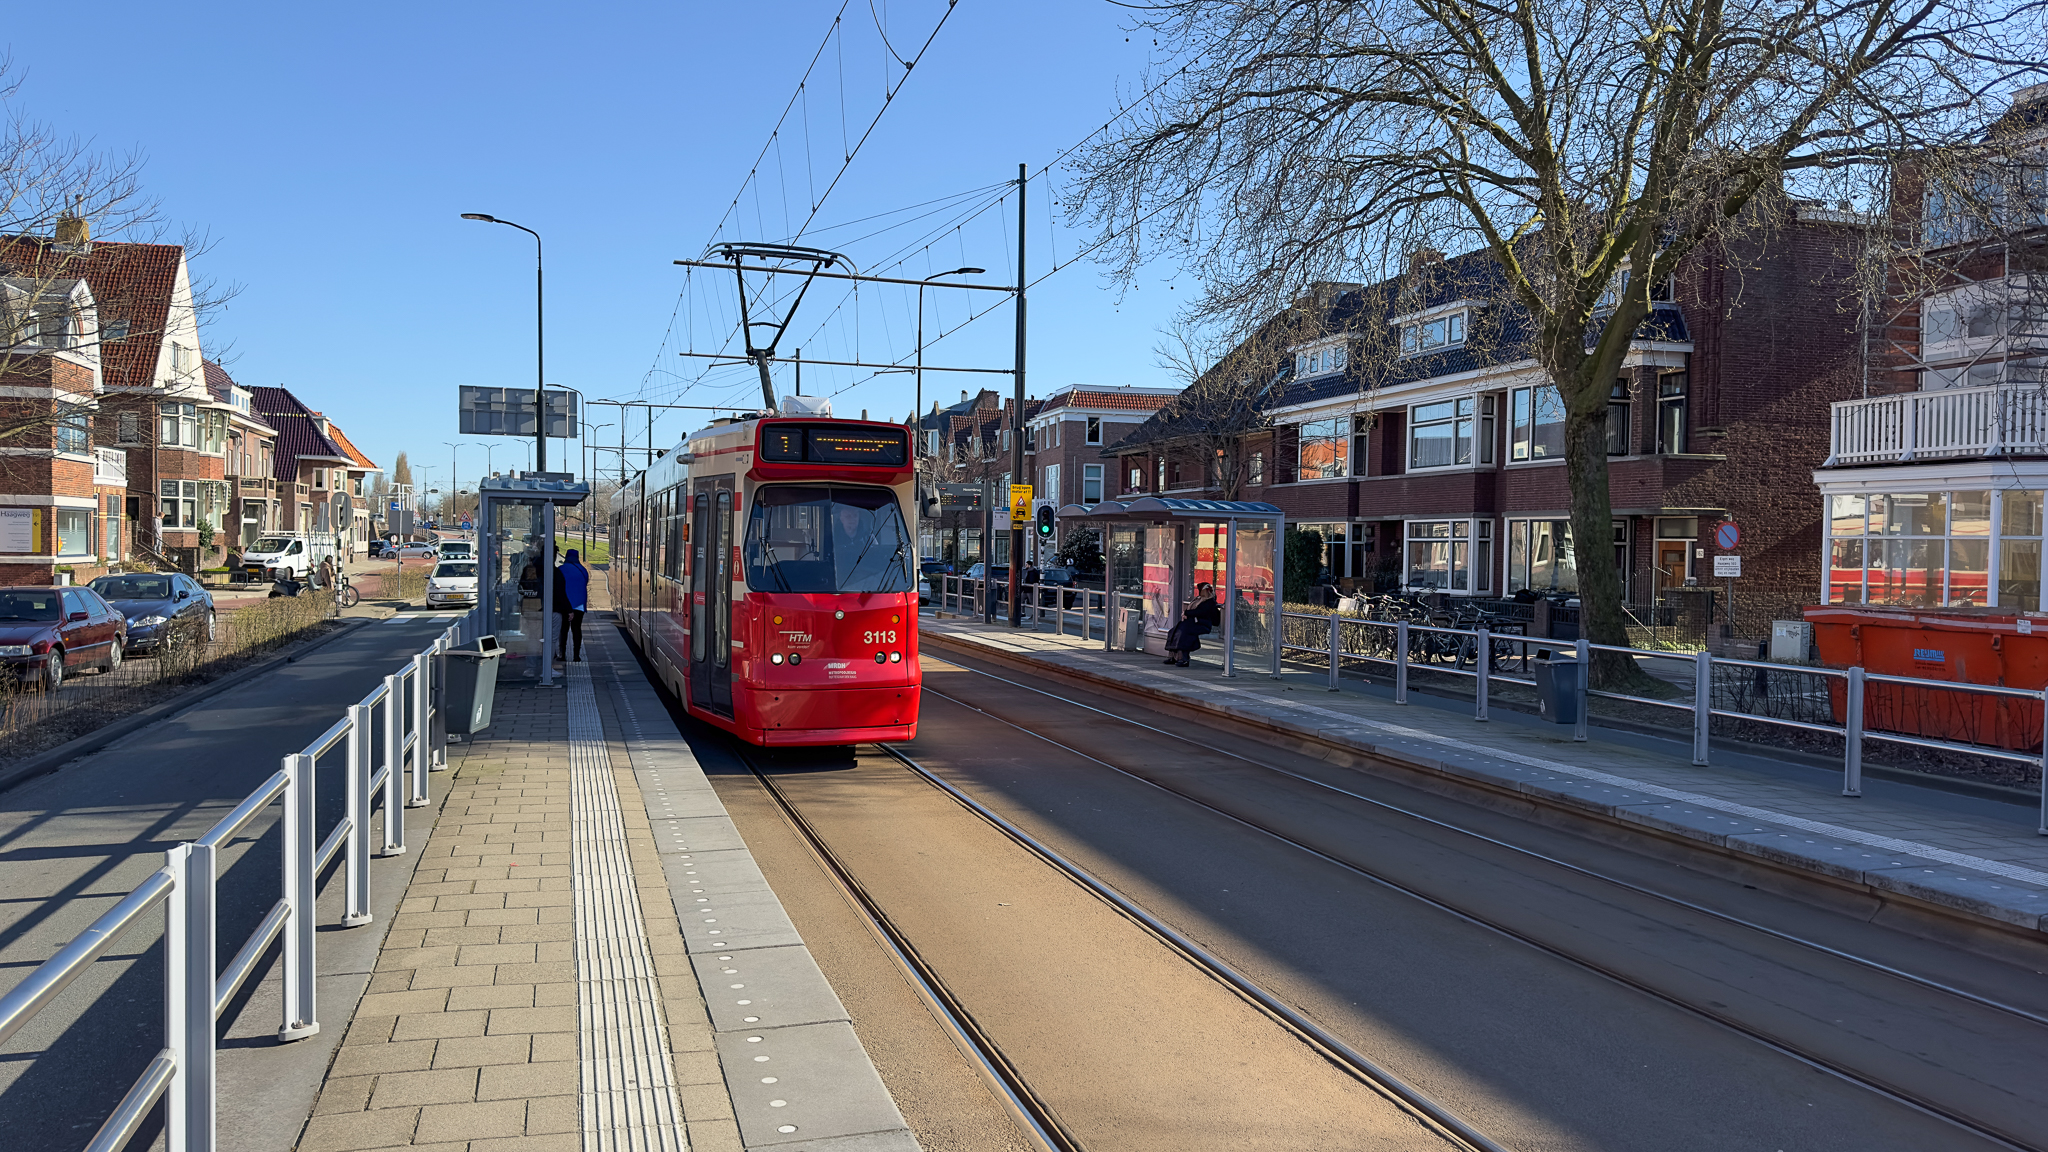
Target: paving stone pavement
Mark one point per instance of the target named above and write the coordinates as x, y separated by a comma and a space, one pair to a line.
1885, 840
467, 1039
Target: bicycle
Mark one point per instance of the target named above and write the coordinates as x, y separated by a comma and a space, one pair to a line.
345, 593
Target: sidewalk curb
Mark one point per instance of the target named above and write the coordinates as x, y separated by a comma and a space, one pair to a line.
44, 763
1978, 903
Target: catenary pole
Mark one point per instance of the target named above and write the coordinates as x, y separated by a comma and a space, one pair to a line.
1017, 422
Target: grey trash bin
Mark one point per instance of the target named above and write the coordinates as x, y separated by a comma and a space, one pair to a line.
1557, 690
470, 686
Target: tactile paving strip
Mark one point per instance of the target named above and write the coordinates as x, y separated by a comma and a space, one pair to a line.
628, 1089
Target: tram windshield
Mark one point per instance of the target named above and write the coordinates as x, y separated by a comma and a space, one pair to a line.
813, 538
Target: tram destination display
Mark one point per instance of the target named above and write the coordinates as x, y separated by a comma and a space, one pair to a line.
834, 444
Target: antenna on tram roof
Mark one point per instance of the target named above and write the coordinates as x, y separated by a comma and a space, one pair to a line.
782, 258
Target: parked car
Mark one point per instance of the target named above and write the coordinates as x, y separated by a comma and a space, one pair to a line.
452, 584
1060, 576
415, 550
158, 606
378, 548
298, 554
1000, 573
932, 568
46, 633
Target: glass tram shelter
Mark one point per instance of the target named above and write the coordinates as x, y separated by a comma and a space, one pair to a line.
516, 564
1156, 549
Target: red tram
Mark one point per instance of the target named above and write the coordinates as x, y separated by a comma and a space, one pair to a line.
767, 572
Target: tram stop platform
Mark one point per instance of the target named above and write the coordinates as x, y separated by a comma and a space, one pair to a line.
588, 957
1956, 857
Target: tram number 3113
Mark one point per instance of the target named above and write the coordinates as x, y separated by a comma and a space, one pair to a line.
880, 637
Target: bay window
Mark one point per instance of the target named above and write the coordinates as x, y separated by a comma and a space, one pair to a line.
1450, 555
1440, 434
179, 425
1324, 450
74, 429
1935, 549
1536, 416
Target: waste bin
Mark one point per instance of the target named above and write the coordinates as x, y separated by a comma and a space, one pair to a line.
1557, 690
470, 685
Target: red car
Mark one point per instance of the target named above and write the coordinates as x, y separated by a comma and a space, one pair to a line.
48, 633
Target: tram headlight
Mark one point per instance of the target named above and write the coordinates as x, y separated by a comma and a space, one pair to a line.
775, 659
796, 658
895, 657
881, 657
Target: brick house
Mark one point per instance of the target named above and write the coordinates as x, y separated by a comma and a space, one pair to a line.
962, 443
154, 400
1416, 435
360, 528
1069, 433
1936, 477
310, 464
246, 465
60, 497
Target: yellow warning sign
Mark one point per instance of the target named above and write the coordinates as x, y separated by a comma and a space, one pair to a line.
1020, 505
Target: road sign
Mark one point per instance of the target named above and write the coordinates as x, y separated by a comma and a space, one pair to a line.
1728, 565
1020, 505
1727, 536
509, 412
960, 497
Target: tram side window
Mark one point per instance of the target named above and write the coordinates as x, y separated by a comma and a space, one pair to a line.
675, 536
813, 538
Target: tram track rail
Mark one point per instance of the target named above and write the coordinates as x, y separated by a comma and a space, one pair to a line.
1040, 1124
1896, 1093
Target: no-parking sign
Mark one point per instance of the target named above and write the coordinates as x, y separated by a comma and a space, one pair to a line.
1727, 535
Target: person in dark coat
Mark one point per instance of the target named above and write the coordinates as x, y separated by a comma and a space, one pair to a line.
1196, 622
572, 596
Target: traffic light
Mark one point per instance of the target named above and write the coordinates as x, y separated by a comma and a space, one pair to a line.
1045, 522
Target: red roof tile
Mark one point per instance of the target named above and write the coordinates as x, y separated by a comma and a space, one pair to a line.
341, 441
1116, 400
130, 282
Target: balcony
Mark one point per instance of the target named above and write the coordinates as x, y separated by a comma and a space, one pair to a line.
1998, 420
109, 468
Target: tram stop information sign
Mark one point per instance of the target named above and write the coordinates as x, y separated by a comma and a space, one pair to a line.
1020, 505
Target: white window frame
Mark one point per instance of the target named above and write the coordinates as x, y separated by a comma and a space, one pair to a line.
1091, 483
1468, 550
1321, 361
1463, 419
1336, 431
1434, 333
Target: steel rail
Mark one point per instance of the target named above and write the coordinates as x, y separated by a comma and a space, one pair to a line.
250, 954
225, 828
1627, 885
52, 976
1041, 1126
1362, 1067
1786, 1048
129, 1113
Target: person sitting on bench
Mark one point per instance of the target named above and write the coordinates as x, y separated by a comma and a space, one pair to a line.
1199, 620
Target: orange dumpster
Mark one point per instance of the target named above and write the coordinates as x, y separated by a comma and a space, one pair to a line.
1960, 645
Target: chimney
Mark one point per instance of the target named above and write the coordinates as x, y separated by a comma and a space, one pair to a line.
1423, 257
72, 228
963, 395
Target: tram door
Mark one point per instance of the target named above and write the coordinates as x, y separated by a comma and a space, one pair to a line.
711, 594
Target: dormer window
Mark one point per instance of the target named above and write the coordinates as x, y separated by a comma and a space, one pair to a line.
1446, 331
1319, 361
1619, 285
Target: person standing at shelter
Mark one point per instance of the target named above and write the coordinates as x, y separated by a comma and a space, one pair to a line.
572, 595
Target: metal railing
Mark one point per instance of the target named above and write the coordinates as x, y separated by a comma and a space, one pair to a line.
1484, 655
197, 990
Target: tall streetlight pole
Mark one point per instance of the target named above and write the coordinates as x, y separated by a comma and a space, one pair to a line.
540, 401
917, 412
454, 472
1017, 428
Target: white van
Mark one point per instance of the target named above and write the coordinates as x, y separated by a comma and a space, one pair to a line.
456, 550
297, 554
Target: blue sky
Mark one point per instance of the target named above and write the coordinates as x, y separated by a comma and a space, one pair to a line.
328, 153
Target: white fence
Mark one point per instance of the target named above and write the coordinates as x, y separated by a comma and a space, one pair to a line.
196, 989
1909, 426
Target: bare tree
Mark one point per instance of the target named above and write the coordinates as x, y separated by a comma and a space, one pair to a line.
1313, 140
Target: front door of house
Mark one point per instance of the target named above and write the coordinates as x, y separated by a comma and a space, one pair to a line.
1672, 567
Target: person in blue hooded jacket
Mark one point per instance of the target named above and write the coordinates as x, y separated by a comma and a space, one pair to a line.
572, 597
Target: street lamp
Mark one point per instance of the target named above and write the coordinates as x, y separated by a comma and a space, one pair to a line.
454, 474
540, 409
918, 414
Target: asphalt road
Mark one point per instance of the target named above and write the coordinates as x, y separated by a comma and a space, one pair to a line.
1536, 1051
74, 842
